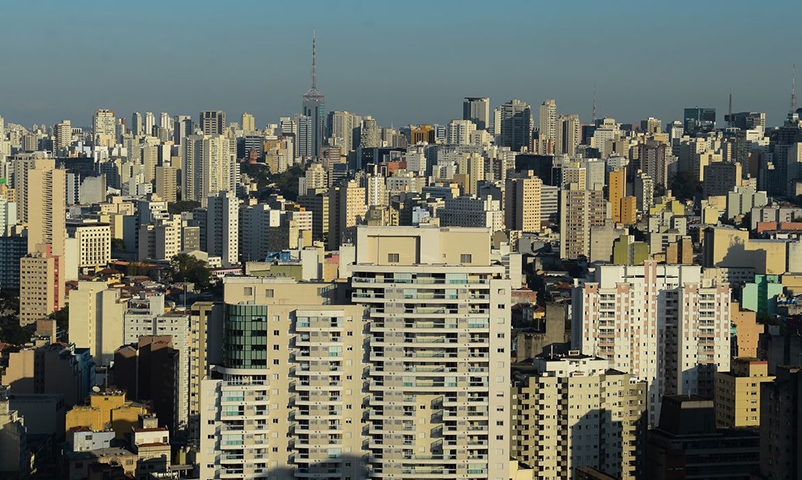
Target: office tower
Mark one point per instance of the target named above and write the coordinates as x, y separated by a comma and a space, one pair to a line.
248, 123
720, 178
687, 444
346, 211
738, 393
580, 210
779, 424
469, 211
166, 183
208, 167
569, 134
104, 128
212, 122
522, 202
477, 110
222, 227
617, 189
548, 128
96, 320
314, 107
287, 126
459, 132
747, 120
574, 174
437, 371
182, 127
516, 125
148, 123
674, 326
699, 120
63, 134
370, 134
564, 395
137, 127
94, 243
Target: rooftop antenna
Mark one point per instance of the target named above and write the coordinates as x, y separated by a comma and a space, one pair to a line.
594, 103
729, 116
314, 63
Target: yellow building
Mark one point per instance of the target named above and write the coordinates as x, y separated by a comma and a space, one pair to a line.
107, 409
747, 330
629, 210
617, 188
731, 247
738, 393
668, 204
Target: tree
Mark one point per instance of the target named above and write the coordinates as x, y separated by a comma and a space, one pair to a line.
182, 206
62, 318
187, 268
136, 269
287, 182
258, 172
15, 334
117, 244
684, 186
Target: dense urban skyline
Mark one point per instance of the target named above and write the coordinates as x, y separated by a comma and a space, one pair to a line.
657, 59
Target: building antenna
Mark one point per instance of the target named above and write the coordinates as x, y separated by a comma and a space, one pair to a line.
729, 112
793, 89
314, 63
593, 117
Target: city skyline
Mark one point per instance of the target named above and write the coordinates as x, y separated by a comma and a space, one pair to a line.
259, 60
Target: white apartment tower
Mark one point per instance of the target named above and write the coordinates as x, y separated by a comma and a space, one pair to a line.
664, 324
222, 227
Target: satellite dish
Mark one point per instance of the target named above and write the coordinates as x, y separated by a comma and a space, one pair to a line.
96, 389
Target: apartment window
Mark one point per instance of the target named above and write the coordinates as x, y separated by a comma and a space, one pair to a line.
393, 257
247, 291
465, 258
269, 293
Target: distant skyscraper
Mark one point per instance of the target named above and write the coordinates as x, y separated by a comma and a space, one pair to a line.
208, 167
248, 122
699, 119
477, 110
516, 125
63, 133
182, 127
212, 122
104, 128
150, 122
569, 134
137, 127
314, 107
459, 132
305, 136
548, 127
343, 128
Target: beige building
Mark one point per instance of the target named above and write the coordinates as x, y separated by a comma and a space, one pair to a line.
747, 331
107, 410
426, 331
347, 209
41, 286
731, 247
522, 203
580, 211
166, 183
738, 393
94, 243
96, 320
565, 395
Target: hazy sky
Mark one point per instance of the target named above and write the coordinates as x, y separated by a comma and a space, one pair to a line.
402, 62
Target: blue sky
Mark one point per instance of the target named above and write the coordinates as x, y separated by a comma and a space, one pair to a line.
402, 62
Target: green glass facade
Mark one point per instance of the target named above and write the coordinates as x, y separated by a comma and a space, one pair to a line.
245, 336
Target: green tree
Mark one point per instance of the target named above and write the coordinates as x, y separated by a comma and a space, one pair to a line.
136, 269
684, 186
258, 172
62, 318
15, 334
117, 244
187, 268
182, 206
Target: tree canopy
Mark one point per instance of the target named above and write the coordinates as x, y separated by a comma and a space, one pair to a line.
182, 206
187, 268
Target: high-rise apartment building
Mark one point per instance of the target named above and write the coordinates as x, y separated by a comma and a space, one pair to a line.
522, 202
317, 202
780, 403
738, 393
290, 395
166, 183
94, 242
41, 284
580, 210
516, 125
569, 134
547, 138
104, 128
211, 122
208, 166
664, 324
346, 211
248, 123
574, 411
63, 137
96, 320
616, 191
459, 132
222, 227
343, 128
477, 110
